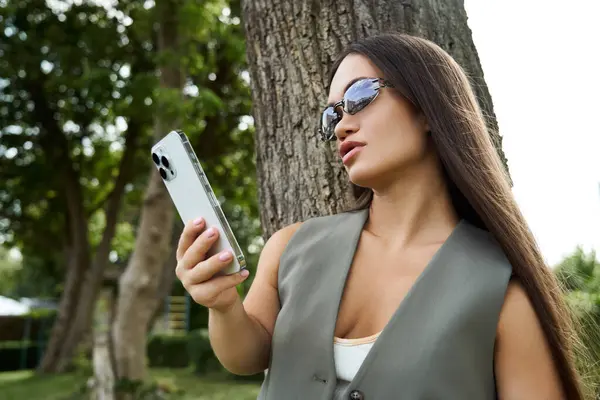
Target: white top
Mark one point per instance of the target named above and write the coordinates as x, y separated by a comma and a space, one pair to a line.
349, 355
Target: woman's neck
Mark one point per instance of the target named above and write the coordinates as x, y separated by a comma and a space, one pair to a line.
417, 209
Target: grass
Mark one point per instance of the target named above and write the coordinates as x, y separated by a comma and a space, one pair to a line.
26, 385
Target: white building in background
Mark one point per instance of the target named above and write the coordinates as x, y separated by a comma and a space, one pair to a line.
10, 306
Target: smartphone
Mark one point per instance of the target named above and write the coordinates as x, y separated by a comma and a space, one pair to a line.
191, 193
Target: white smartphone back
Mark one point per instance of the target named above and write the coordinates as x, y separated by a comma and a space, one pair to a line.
191, 193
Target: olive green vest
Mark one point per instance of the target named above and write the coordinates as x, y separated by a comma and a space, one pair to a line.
439, 344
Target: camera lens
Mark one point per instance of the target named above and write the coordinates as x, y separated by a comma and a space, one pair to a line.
164, 161
163, 173
155, 159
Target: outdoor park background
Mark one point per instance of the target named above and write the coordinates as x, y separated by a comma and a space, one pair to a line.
94, 65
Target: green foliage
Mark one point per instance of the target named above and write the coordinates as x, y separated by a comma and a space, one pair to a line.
169, 351
38, 276
15, 344
152, 390
179, 351
201, 354
193, 349
205, 362
173, 383
9, 268
64, 76
224, 140
75, 81
11, 355
579, 274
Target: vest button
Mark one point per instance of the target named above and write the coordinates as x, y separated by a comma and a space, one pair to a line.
356, 395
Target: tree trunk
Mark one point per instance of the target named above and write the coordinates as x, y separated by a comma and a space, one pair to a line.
139, 283
84, 277
67, 309
103, 363
290, 47
55, 145
92, 282
168, 274
104, 379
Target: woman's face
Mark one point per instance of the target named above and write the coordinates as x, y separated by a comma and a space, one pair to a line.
392, 135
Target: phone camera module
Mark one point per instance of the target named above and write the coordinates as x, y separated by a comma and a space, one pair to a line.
163, 173
165, 162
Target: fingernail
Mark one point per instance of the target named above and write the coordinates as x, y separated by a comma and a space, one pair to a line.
210, 232
225, 256
244, 273
198, 221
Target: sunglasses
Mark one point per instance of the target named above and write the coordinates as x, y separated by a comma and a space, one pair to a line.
359, 95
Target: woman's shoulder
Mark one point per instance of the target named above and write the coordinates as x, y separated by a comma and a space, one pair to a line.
285, 234
281, 243
278, 240
523, 358
518, 317
275, 247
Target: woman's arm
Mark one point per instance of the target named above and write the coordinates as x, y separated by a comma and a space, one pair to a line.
524, 365
241, 337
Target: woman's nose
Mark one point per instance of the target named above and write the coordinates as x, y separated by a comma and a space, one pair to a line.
346, 126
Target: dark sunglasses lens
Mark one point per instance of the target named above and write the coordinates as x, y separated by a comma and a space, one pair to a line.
360, 95
328, 121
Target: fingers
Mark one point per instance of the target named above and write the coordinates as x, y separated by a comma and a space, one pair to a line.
206, 269
190, 232
200, 275
196, 252
207, 293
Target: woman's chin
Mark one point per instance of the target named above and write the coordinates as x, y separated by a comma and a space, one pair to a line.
360, 176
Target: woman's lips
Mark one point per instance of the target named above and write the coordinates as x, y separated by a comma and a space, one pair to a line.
346, 146
349, 155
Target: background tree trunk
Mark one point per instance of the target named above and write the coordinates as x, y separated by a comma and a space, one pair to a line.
139, 283
165, 283
102, 360
56, 146
81, 324
290, 47
84, 275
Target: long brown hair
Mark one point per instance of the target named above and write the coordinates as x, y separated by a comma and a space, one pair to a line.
477, 181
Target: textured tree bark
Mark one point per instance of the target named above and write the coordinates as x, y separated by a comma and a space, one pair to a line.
103, 363
290, 47
139, 283
104, 379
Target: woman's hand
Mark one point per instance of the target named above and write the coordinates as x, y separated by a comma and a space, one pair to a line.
197, 273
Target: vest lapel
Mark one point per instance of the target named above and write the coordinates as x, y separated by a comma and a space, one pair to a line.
336, 266
395, 329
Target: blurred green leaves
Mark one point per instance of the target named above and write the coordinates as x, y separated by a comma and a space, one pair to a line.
579, 273
94, 70
63, 73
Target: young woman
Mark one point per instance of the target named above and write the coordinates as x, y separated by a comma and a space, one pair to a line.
431, 288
